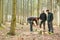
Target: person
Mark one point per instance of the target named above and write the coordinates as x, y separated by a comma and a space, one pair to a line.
43, 18
30, 21
49, 20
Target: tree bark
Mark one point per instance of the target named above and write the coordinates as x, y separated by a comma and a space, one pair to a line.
13, 22
1, 19
38, 7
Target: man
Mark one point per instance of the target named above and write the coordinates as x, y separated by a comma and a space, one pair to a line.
30, 21
50, 19
43, 18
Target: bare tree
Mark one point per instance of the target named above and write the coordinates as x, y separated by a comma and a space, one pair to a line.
58, 3
13, 22
1, 19
49, 5
38, 7
2, 11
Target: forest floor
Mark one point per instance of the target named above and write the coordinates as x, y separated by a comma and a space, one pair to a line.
23, 33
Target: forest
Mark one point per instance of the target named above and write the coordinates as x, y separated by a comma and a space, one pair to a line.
14, 14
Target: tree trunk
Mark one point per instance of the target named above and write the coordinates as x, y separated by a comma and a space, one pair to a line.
7, 7
13, 22
23, 11
59, 16
58, 3
38, 7
49, 5
0, 12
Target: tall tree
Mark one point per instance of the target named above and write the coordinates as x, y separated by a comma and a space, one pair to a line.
20, 11
31, 7
6, 15
25, 11
27, 8
0, 12
49, 5
58, 3
13, 22
38, 7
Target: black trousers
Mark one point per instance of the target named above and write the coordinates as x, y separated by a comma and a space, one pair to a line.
31, 25
50, 26
42, 22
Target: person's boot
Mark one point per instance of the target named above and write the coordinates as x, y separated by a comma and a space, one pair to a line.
50, 32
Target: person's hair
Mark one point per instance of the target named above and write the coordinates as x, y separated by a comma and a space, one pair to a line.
47, 10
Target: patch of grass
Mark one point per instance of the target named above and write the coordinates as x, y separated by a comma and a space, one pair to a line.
1, 28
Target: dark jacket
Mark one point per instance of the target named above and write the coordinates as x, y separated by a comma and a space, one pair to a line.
43, 16
50, 16
30, 19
